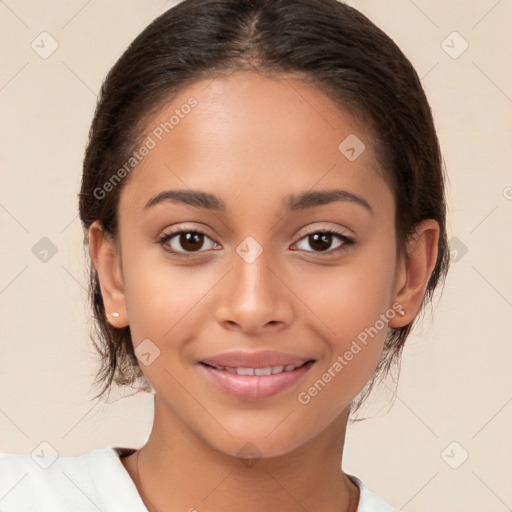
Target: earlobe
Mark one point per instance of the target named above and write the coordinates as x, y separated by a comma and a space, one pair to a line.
106, 258
416, 268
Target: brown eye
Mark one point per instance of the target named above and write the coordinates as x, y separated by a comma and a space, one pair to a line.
322, 241
186, 242
192, 241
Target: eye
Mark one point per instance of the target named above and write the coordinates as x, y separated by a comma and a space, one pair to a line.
322, 240
190, 241
193, 240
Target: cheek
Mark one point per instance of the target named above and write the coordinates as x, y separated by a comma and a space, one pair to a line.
354, 306
161, 296
348, 298
354, 352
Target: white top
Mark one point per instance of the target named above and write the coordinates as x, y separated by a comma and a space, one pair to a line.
93, 482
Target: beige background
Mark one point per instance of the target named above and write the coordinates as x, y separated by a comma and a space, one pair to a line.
455, 384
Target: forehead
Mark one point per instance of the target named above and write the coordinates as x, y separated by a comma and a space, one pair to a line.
247, 134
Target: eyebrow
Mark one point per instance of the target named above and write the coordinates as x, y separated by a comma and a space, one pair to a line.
299, 202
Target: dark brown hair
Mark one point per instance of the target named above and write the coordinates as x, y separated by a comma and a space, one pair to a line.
324, 42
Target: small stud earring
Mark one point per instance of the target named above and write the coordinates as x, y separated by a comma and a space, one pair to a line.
401, 312
115, 314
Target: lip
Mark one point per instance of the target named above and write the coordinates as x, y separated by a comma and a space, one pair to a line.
255, 387
262, 359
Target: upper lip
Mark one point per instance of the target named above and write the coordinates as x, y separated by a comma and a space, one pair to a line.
262, 359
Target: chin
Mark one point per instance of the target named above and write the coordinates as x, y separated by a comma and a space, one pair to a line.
259, 445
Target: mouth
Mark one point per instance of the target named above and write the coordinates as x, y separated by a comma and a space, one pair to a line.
267, 370
256, 382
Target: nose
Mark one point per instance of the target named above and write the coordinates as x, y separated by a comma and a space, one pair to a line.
254, 296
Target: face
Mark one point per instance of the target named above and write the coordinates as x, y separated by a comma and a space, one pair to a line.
253, 273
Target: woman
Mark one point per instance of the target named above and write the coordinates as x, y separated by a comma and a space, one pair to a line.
263, 200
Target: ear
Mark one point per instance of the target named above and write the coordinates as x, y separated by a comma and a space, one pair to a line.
106, 258
414, 270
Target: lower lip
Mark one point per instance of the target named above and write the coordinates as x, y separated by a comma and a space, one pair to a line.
255, 387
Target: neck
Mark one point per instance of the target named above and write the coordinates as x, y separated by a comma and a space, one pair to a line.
179, 471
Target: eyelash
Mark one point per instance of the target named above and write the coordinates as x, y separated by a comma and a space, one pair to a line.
347, 242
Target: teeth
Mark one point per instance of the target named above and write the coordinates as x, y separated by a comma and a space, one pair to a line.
245, 371
269, 370
263, 371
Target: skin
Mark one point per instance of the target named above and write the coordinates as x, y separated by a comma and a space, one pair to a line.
251, 140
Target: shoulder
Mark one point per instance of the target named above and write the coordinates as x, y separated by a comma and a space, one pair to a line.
369, 501
45, 482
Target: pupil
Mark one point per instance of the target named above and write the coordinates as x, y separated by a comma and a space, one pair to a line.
191, 241
321, 240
